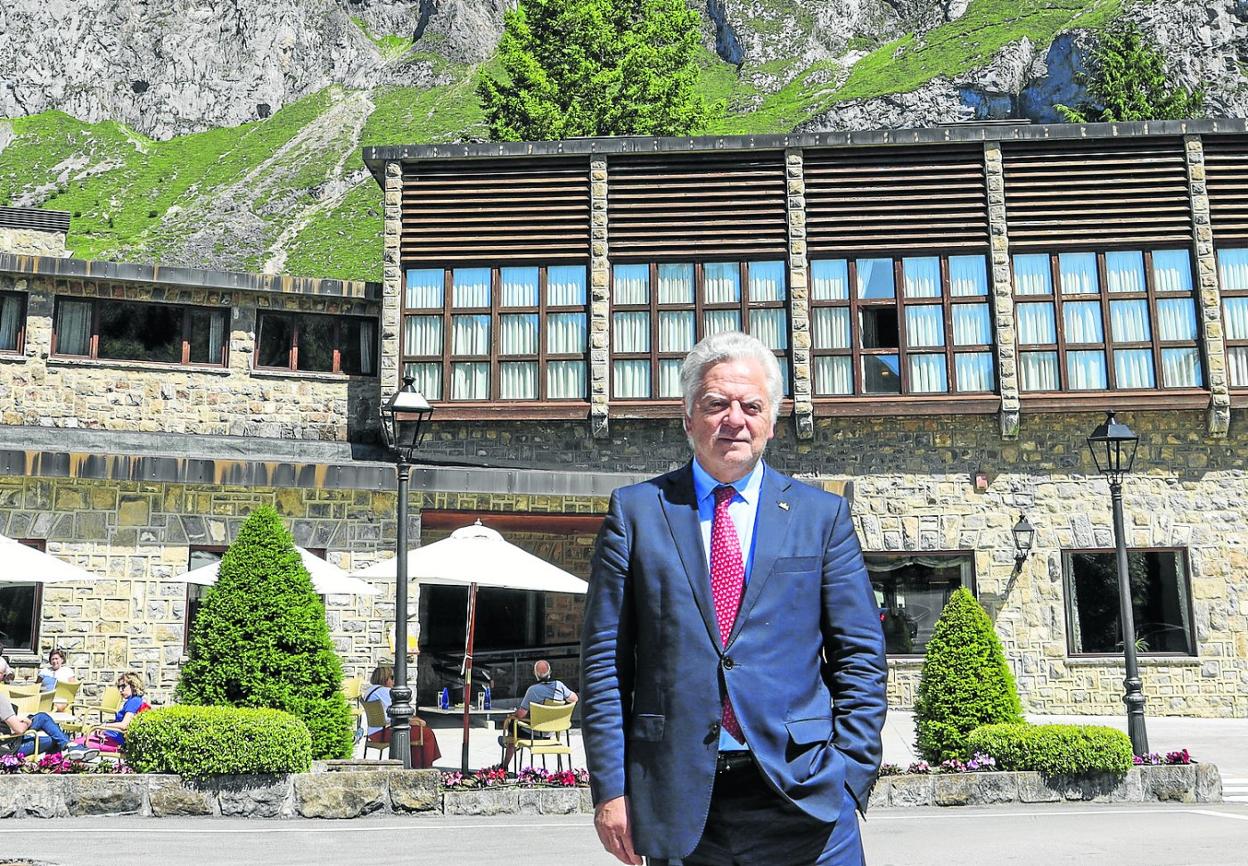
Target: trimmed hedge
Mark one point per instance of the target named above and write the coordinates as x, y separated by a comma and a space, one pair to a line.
1054, 750
196, 742
965, 683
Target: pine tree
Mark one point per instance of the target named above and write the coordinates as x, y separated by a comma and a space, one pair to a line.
965, 681
595, 68
1126, 79
261, 640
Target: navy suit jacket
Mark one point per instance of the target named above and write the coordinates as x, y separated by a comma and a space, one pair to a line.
804, 664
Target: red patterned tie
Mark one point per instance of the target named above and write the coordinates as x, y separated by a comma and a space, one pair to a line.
727, 582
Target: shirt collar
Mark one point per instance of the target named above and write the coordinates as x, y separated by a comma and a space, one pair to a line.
747, 488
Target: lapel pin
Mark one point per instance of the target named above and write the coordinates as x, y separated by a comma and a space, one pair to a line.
783, 505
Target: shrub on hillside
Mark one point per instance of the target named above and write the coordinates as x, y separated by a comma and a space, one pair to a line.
965, 681
1055, 750
197, 742
261, 641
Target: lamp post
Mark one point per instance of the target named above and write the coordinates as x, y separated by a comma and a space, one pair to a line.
401, 421
1024, 537
1113, 450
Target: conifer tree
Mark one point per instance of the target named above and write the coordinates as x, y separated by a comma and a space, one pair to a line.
261, 640
1126, 79
965, 681
595, 68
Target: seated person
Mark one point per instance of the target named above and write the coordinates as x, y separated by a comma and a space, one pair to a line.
38, 729
7, 673
111, 736
424, 745
545, 690
56, 671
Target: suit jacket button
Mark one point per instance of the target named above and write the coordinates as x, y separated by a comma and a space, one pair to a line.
728, 663
715, 729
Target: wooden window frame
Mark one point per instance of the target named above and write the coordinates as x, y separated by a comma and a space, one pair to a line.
1225, 293
447, 312
1184, 575
954, 556
699, 308
184, 331
20, 345
37, 606
899, 302
293, 350
1103, 297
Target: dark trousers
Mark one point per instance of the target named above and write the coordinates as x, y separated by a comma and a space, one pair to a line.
50, 736
751, 825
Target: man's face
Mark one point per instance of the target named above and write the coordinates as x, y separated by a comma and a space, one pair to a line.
731, 419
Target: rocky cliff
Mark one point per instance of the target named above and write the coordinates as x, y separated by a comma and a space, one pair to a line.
228, 133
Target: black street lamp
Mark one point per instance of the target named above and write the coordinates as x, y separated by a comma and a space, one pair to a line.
401, 421
1024, 538
1113, 450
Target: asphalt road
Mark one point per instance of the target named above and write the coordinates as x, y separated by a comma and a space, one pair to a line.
1088, 835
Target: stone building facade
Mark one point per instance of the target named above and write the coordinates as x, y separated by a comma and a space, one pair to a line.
125, 466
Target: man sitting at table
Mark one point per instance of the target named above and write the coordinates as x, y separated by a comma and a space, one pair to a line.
547, 689
39, 729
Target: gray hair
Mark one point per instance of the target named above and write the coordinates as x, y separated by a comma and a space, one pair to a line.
730, 346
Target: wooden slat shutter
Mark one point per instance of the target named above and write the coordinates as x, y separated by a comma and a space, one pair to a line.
718, 205
1226, 173
476, 212
1103, 192
895, 198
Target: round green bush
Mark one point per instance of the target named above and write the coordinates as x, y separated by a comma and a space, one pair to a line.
196, 742
261, 641
1054, 750
965, 681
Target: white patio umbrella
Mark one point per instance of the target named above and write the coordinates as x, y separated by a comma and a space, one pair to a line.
478, 556
327, 578
22, 563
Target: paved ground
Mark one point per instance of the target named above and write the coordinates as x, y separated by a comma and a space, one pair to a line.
1220, 741
1036, 836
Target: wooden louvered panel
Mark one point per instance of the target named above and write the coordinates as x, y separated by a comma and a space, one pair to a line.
1226, 173
466, 212
721, 205
1104, 192
895, 198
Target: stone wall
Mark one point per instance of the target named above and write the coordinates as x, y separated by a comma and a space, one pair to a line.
238, 400
29, 242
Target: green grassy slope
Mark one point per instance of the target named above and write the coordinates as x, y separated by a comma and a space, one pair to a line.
300, 178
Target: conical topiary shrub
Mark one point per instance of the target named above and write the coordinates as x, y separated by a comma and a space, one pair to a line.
965, 682
260, 639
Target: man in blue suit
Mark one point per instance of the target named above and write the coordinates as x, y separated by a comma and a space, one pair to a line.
733, 679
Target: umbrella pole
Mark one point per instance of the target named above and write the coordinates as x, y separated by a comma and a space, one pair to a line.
472, 631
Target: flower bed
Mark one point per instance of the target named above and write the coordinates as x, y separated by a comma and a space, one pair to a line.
56, 764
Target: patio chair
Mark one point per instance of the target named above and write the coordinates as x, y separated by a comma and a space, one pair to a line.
375, 717
555, 720
66, 696
26, 705
353, 689
110, 703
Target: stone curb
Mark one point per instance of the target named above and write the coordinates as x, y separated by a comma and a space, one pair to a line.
352, 793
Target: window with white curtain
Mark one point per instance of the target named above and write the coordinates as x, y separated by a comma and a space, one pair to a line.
1095, 321
906, 325
660, 310
12, 321
138, 331
1233, 278
475, 334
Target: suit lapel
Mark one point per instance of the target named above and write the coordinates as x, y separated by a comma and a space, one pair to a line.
681, 509
771, 527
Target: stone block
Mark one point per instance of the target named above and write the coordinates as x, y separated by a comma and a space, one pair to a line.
413, 790
485, 801
1175, 784
133, 510
340, 795
261, 795
33, 797
548, 801
587, 800
910, 791
106, 795
879, 794
1099, 787
1208, 784
1032, 788
172, 796
974, 789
